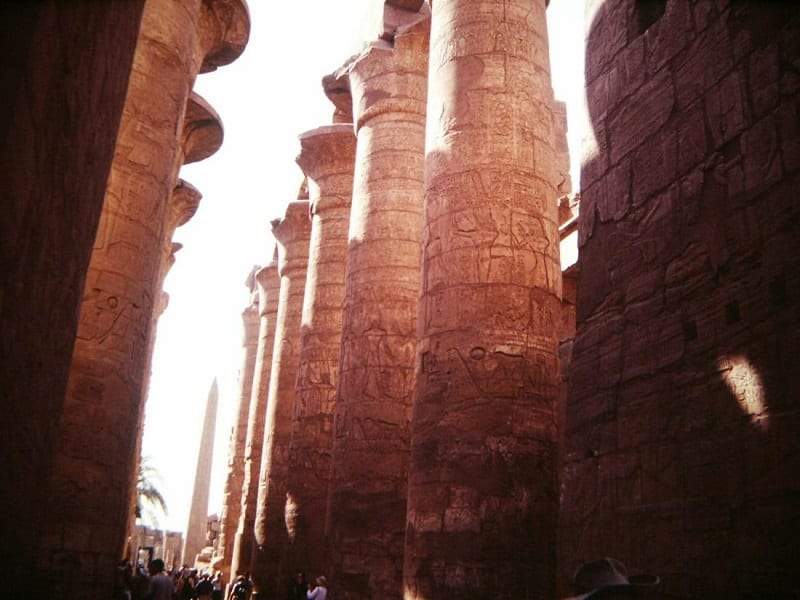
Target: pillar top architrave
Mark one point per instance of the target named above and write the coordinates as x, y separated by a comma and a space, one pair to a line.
269, 284
225, 31
389, 75
292, 233
183, 203
202, 130
325, 152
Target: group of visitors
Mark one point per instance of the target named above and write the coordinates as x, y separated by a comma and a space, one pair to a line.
159, 583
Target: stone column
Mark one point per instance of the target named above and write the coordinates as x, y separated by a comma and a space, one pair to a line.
482, 482
59, 123
376, 382
268, 294
292, 233
182, 205
232, 495
195, 538
94, 455
327, 155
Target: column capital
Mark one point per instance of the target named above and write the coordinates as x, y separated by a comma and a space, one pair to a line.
337, 88
324, 153
183, 203
202, 130
292, 233
250, 313
390, 74
269, 284
224, 31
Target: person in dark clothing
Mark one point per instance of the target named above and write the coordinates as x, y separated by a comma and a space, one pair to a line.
298, 586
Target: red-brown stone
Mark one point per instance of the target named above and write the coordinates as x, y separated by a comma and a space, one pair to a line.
292, 233
482, 497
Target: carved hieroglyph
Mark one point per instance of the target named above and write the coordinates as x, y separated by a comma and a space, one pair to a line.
92, 463
181, 207
376, 382
327, 155
268, 294
482, 482
292, 234
232, 495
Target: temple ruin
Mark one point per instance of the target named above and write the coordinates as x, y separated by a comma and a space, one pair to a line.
433, 402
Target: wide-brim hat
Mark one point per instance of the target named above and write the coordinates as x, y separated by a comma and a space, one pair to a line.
595, 577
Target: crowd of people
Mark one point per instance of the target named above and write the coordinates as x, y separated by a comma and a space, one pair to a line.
158, 583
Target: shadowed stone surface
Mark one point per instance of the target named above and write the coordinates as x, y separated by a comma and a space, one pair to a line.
683, 432
326, 157
268, 296
232, 497
90, 482
292, 233
482, 493
63, 83
371, 435
182, 205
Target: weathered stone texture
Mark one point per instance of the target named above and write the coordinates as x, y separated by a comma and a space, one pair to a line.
232, 494
326, 157
63, 84
89, 484
682, 419
376, 381
292, 234
482, 498
268, 294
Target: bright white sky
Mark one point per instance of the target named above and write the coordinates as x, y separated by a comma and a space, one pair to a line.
266, 98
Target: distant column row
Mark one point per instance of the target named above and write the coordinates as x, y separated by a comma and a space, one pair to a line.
410, 441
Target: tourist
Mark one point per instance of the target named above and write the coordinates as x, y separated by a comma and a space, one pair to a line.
122, 581
242, 588
161, 587
204, 588
298, 587
320, 592
219, 586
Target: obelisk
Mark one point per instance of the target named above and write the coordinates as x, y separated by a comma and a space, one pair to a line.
195, 537
482, 496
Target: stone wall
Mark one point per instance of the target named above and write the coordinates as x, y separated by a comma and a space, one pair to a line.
682, 443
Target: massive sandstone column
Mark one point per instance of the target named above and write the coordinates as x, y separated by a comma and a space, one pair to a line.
59, 122
94, 456
232, 495
292, 233
182, 205
195, 536
268, 294
326, 157
482, 481
376, 382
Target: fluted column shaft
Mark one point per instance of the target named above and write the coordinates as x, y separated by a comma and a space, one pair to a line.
84, 529
268, 295
232, 494
482, 483
292, 234
326, 157
376, 383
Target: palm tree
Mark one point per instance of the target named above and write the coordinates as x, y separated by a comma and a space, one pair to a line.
149, 501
